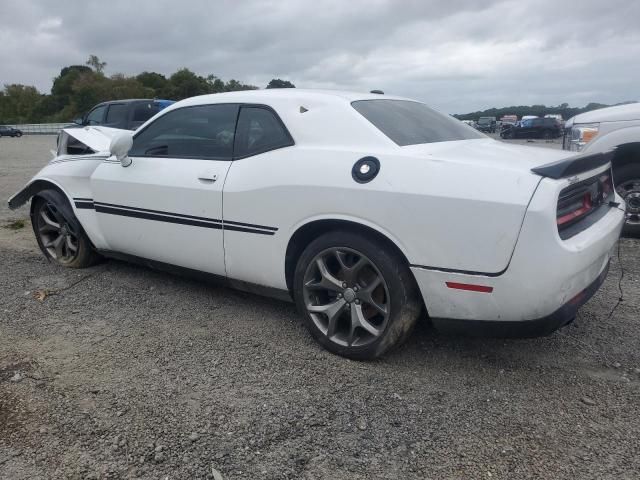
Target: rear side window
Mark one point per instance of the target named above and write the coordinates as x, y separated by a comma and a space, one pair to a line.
204, 131
410, 123
117, 113
259, 130
144, 111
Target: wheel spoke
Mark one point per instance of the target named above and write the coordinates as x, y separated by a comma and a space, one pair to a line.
358, 320
366, 296
350, 272
50, 223
327, 280
58, 245
332, 311
49, 243
70, 246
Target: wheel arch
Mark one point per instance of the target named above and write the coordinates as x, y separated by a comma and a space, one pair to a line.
32, 189
625, 154
40, 185
309, 231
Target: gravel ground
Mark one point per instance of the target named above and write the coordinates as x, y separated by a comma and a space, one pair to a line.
123, 372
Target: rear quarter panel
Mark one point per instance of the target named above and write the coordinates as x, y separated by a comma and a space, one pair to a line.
442, 214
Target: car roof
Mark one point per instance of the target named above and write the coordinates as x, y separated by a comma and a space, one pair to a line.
136, 100
276, 94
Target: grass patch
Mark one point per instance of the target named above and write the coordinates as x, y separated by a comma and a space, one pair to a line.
15, 225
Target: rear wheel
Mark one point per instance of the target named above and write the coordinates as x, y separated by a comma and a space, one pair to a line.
60, 237
19, 134
547, 135
627, 181
358, 298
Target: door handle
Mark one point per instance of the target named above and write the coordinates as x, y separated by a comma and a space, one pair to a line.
207, 177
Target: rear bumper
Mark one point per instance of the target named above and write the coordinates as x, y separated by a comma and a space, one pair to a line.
541, 282
538, 327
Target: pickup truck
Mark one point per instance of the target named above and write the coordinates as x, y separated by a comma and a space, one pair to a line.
613, 128
124, 114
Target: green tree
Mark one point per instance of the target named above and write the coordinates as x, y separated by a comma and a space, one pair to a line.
96, 64
153, 80
234, 86
184, 83
278, 83
18, 104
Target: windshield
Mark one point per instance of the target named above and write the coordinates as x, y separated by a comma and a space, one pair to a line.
410, 123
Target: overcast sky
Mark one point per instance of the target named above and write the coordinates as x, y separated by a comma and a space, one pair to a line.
456, 55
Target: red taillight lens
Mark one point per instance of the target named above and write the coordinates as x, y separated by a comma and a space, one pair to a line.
581, 199
581, 209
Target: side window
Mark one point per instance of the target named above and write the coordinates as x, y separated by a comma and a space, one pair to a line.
143, 112
96, 115
259, 130
537, 122
204, 131
117, 114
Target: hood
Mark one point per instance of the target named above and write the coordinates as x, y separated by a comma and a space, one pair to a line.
489, 152
97, 139
609, 114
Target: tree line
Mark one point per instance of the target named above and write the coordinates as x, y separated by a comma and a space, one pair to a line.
79, 87
538, 110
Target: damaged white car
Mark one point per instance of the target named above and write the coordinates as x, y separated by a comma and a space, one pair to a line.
370, 211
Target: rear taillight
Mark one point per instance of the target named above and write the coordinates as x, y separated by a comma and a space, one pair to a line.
579, 200
575, 210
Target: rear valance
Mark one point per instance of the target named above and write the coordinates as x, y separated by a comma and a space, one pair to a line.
574, 165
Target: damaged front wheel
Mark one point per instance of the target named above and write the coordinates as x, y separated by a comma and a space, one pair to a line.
58, 232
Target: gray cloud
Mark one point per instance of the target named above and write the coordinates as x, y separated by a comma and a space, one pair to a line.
455, 55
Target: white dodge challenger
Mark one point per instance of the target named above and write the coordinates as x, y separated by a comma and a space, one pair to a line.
368, 210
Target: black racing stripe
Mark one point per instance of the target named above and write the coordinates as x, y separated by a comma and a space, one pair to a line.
248, 230
85, 205
178, 218
249, 225
156, 217
137, 209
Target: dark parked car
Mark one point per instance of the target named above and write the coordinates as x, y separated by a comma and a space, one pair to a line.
124, 114
533, 128
486, 124
9, 131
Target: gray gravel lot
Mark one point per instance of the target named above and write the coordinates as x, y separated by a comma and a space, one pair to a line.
124, 372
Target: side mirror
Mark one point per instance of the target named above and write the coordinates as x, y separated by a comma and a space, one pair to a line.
120, 146
77, 121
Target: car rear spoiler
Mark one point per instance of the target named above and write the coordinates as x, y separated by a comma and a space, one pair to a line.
574, 165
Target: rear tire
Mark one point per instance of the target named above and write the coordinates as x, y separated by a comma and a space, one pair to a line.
627, 182
59, 233
357, 296
19, 134
547, 135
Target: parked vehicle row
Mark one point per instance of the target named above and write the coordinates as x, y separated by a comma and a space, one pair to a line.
359, 207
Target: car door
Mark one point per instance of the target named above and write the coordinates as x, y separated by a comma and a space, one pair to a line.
252, 204
167, 205
537, 126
